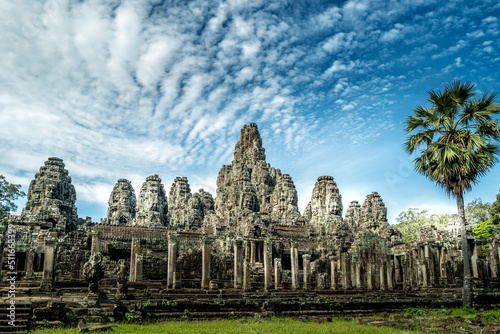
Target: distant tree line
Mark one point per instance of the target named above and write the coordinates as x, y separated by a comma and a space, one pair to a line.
483, 217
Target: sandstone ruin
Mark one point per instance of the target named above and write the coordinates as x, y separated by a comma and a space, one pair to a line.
251, 237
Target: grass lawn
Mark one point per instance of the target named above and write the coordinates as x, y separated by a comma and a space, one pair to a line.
251, 326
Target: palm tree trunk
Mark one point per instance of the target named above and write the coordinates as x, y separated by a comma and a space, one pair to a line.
467, 289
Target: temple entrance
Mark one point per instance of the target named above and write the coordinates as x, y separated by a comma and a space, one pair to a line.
20, 261
123, 220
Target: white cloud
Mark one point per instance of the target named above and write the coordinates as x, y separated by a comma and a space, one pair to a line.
393, 34
349, 106
151, 64
339, 66
124, 89
339, 41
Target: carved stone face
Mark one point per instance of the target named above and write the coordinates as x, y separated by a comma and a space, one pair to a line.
50, 190
247, 202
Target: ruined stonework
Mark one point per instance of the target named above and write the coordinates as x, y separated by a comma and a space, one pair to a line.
373, 212
251, 237
51, 197
324, 211
122, 204
152, 204
186, 210
284, 201
121, 279
250, 187
353, 215
93, 270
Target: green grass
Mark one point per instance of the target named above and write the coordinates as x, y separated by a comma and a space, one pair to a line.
274, 325
466, 313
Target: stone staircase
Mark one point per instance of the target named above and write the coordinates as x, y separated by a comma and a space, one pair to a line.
152, 301
23, 313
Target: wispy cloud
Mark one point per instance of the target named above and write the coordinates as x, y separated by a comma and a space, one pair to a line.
131, 88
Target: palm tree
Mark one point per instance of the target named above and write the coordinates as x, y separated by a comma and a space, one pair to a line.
457, 136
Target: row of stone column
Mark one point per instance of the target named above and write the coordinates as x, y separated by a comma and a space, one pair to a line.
243, 267
345, 273
348, 273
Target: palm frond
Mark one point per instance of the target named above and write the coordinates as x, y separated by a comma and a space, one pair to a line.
456, 136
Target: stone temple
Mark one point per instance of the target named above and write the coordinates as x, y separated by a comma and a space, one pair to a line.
250, 237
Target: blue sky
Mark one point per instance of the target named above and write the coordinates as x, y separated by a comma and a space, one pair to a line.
126, 89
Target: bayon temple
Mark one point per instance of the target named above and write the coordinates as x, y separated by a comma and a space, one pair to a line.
251, 236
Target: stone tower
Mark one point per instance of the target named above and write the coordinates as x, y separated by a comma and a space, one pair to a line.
122, 204
51, 197
152, 203
373, 213
284, 200
324, 211
186, 210
251, 187
353, 215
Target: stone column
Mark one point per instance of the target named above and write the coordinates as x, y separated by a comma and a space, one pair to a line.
247, 250
171, 259
247, 273
252, 253
429, 259
397, 270
390, 278
476, 253
48, 264
442, 263
406, 277
333, 276
294, 258
238, 264
369, 275
493, 257
96, 238
135, 248
30, 262
268, 264
277, 274
306, 264
359, 285
383, 272
423, 272
205, 264
346, 271
138, 267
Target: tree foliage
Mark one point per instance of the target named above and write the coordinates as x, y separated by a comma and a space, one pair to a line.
411, 220
484, 231
8, 194
477, 211
456, 141
495, 211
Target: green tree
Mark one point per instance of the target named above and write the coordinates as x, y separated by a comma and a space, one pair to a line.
456, 141
440, 221
409, 221
495, 211
484, 231
8, 194
477, 211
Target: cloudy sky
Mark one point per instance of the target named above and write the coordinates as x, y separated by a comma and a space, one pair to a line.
126, 89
